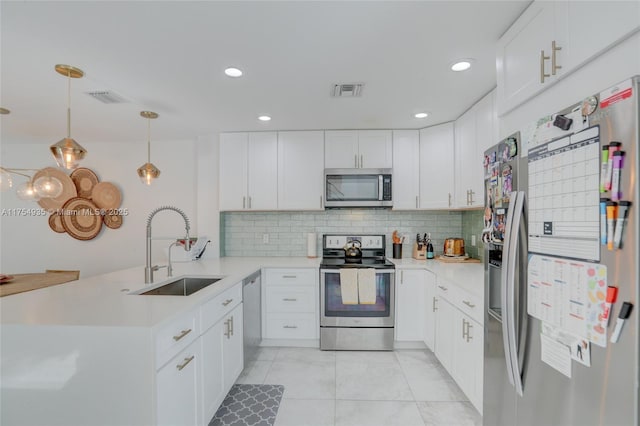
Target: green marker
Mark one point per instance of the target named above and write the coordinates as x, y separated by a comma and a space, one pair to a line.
604, 168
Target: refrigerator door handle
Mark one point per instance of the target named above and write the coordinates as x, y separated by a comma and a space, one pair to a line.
512, 292
505, 290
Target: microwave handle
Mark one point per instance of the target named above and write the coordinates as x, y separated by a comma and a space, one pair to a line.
380, 188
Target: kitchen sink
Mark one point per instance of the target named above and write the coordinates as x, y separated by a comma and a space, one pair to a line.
182, 287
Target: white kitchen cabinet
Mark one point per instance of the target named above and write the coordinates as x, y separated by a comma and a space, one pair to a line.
406, 169
213, 389
248, 171
554, 38
475, 131
290, 304
177, 389
410, 296
369, 149
300, 170
232, 351
445, 328
468, 353
430, 301
436, 167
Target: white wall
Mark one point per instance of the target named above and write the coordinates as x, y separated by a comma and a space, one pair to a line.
614, 66
208, 215
29, 245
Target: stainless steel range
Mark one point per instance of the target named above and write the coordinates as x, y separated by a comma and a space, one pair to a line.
357, 294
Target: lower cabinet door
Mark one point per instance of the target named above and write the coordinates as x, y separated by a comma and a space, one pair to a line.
445, 327
468, 352
232, 353
213, 391
430, 307
177, 388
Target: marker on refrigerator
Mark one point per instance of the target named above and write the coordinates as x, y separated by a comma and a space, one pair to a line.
603, 167
612, 295
613, 147
625, 312
603, 221
611, 220
618, 163
621, 220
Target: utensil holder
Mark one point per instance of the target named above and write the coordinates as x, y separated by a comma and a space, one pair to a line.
419, 254
397, 251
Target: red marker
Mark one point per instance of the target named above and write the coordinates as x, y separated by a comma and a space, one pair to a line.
612, 294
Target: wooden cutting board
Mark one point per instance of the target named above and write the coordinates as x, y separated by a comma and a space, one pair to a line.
446, 259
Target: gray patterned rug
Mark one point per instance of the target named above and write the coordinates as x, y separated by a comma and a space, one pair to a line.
249, 405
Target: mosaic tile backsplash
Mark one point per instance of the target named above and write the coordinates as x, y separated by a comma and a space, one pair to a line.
242, 233
472, 225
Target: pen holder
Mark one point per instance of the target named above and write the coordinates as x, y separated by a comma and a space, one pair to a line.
397, 251
420, 254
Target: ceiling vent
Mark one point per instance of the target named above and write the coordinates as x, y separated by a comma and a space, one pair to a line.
107, 97
347, 90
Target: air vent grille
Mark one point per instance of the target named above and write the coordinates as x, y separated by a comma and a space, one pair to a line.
347, 90
107, 97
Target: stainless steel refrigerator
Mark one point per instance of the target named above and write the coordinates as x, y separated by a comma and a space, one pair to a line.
553, 212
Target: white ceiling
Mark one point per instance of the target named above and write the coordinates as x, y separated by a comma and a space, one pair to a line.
169, 57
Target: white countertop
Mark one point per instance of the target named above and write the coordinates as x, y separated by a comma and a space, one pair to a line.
467, 276
104, 301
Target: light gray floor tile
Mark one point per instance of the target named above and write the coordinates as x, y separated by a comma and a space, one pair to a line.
305, 355
306, 412
255, 372
371, 381
413, 356
366, 356
449, 414
432, 383
377, 413
304, 380
267, 353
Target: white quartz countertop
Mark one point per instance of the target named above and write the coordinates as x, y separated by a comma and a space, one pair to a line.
103, 300
467, 276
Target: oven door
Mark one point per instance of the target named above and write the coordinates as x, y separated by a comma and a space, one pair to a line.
333, 313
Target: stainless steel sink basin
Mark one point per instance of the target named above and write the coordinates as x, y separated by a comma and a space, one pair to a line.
182, 286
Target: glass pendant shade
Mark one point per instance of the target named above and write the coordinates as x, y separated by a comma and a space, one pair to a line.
6, 182
68, 153
47, 187
27, 192
147, 173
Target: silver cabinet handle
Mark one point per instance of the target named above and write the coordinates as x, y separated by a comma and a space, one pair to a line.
228, 330
449, 199
355, 158
542, 59
244, 202
464, 335
226, 302
249, 203
416, 201
554, 65
469, 304
467, 197
469, 326
471, 192
361, 161
401, 277
443, 288
289, 276
231, 325
290, 300
185, 363
289, 326
433, 304
182, 334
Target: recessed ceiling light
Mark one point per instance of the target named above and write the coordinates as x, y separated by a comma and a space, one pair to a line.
233, 72
264, 118
462, 65
421, 115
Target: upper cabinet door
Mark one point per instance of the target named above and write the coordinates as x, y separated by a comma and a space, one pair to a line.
436, 167
300, 170
520, 65
263, 171
465, 157
406, 169
233, 171
341, 149
375, 149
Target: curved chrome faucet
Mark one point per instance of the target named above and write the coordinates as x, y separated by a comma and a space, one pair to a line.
148, 269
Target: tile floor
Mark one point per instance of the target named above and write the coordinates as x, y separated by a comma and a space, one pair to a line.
324, 388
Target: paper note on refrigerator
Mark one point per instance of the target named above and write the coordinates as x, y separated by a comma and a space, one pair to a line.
555, 354
570, 295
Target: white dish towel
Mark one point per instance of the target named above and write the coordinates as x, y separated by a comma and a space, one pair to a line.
349, 286
367, 286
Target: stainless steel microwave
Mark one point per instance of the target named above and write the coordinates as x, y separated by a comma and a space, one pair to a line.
357, 188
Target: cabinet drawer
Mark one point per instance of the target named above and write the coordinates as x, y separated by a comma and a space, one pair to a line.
291, 326
291, 299
445, 289
175, 336
469, 304
219, 306
291, 276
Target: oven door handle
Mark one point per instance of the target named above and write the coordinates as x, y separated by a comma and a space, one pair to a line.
378, 271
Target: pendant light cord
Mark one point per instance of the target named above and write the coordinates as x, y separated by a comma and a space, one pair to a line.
148, 140
69, 105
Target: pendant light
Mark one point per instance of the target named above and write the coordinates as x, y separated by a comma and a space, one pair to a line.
26, 191
67, 151
47, 187
148, 172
